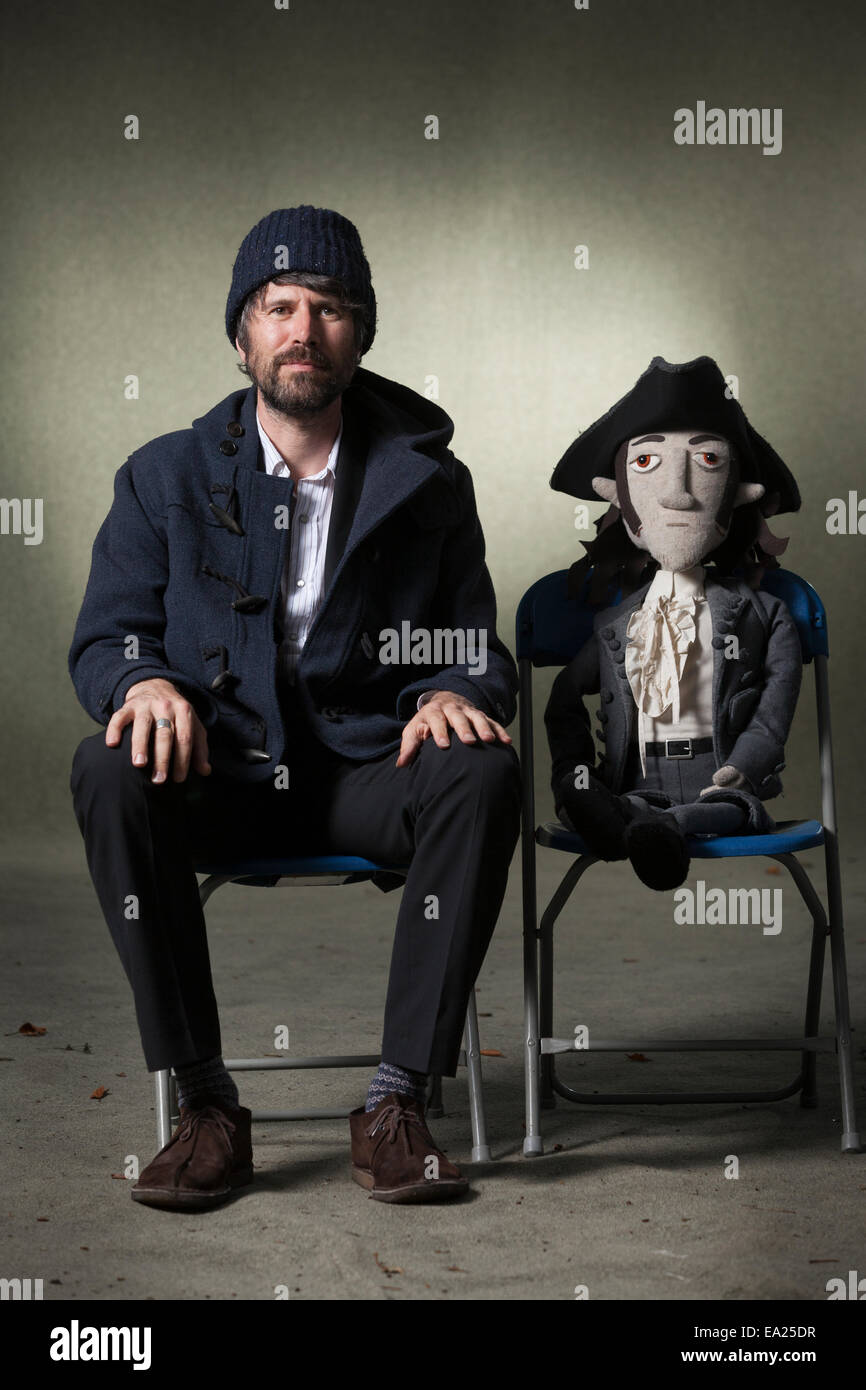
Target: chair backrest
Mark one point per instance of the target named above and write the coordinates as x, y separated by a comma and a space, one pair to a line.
551, 627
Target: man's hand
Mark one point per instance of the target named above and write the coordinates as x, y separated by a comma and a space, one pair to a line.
147, 702
444, 709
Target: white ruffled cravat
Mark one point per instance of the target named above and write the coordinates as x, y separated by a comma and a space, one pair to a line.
660, 635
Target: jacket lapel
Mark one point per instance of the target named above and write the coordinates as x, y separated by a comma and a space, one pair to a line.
388, 476
617, 620
348, 484
726, 609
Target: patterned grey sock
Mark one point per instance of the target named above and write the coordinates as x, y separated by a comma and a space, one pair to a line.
390, 1078
205, 1078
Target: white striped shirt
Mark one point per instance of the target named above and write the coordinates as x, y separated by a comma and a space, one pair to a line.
303, 578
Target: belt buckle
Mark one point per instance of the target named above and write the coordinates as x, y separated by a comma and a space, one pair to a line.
684, 745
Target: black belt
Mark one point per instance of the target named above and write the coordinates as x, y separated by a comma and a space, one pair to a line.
679, 747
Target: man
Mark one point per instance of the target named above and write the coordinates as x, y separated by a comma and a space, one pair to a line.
237, 637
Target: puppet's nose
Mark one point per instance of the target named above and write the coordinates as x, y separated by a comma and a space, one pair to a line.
679, 501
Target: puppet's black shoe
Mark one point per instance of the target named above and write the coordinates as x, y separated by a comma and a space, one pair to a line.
597, 816
657, 851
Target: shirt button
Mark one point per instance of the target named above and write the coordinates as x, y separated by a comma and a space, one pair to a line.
300, 584
293, 636
303, 518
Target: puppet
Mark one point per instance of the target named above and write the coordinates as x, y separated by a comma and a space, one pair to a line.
697, 669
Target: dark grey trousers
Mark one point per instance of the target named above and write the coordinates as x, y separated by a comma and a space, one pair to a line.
452, 815
674, 785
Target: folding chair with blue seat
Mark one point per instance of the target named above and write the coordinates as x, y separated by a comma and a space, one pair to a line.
551, 629
320, 870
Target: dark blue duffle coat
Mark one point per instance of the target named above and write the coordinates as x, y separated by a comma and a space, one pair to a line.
189, 560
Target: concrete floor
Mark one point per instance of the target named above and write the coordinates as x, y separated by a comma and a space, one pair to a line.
630, 1202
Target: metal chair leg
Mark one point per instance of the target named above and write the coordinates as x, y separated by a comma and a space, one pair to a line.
480, 1146
163, 1108
545, 1010
566, 887
806, 889
850, 1136
533, 1146
809, 1093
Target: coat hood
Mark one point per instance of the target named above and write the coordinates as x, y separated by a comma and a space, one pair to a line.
394, 414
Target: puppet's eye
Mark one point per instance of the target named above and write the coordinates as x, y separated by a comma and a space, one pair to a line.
707, 459
643, 463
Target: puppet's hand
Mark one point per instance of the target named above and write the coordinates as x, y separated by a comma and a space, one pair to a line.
726, 776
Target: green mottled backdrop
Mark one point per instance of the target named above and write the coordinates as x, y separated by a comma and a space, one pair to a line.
555, 130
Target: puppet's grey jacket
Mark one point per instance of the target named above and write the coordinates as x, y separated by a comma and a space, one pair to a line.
754, 692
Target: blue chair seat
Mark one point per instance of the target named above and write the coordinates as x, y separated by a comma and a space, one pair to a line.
286, 866
790, 837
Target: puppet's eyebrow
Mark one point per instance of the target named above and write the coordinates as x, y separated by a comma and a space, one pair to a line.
702, 438
653, 439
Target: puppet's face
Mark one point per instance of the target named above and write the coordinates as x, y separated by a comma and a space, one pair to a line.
676, 485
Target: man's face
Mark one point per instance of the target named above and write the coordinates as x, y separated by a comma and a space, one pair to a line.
301, 351
676, 482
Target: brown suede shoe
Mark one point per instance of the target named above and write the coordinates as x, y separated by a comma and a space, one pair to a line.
395, 1158
207, 1157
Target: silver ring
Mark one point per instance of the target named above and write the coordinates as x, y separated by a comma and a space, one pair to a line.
165, 724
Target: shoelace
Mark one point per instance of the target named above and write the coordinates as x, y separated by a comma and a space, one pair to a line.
208, 1115
395, 1121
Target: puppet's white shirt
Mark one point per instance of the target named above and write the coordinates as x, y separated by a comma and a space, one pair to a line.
669, 659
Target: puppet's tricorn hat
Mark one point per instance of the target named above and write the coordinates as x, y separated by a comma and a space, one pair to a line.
676, 396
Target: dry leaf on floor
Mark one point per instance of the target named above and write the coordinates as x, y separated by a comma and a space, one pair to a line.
491, 1052
30, 1030
99, 1093
637, 1057
386, 1269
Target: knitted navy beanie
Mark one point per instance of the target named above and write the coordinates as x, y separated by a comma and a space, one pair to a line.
302, 238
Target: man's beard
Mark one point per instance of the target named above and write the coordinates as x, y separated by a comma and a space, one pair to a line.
299, 393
